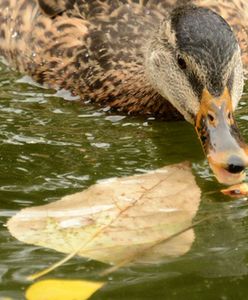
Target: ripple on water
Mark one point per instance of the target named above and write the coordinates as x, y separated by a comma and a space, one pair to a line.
51, 147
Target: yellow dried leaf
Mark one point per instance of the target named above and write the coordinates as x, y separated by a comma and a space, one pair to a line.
55, 289
236, 191
118, 218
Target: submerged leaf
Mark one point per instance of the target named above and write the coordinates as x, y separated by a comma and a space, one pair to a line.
118, 218
58, 289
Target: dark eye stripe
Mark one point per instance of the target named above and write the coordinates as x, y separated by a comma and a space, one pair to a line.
196, 84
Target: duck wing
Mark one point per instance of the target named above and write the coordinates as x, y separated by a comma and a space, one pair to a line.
234, 12
55, 7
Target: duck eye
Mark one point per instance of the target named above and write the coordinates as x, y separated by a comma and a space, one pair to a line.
181, 62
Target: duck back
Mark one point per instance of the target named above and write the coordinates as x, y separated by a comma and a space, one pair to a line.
93, 48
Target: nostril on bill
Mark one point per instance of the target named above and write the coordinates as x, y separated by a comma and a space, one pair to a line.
235, 165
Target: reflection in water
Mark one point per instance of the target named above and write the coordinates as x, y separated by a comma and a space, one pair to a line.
51, 147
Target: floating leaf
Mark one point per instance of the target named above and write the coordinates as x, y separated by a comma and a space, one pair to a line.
56, 289
236, 191
118, 218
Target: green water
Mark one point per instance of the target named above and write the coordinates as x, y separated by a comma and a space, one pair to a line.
51, 147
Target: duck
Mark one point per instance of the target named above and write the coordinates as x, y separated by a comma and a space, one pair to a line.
169, 59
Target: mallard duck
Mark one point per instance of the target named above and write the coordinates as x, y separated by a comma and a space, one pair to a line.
166, 58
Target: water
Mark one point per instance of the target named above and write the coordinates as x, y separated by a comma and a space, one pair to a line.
51, 147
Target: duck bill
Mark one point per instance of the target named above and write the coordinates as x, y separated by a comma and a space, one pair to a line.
220, 138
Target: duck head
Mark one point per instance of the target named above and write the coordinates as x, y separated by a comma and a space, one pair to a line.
194, 61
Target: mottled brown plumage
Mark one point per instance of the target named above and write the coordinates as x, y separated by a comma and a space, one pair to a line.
96, 48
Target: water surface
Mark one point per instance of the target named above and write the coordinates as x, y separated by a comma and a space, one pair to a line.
51, 147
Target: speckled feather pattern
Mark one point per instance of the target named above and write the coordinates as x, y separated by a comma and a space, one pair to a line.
94, 48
